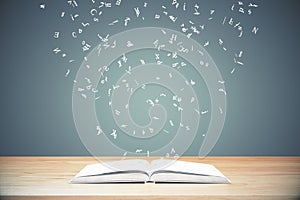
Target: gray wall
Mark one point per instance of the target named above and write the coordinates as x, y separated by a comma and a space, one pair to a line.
263, 96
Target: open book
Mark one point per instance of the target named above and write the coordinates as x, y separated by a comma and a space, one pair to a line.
141, 171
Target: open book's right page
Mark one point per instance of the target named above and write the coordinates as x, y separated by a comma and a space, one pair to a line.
188, 172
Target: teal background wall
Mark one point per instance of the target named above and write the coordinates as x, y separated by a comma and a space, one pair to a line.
263, 96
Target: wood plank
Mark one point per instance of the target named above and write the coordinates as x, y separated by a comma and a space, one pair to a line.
48, 178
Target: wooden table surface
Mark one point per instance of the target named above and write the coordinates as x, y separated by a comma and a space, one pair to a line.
48, 178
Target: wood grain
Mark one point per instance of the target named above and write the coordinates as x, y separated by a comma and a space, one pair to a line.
48, 178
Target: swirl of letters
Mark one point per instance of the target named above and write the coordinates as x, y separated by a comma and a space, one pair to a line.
148, 91
130, 77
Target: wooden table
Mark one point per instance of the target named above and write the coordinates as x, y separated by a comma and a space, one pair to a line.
48, 178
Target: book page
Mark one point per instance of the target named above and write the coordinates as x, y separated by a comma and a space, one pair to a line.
190, 168
116, 171
186, 172
130, 177
94, 169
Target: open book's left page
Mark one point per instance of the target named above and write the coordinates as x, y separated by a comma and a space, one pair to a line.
115, 171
